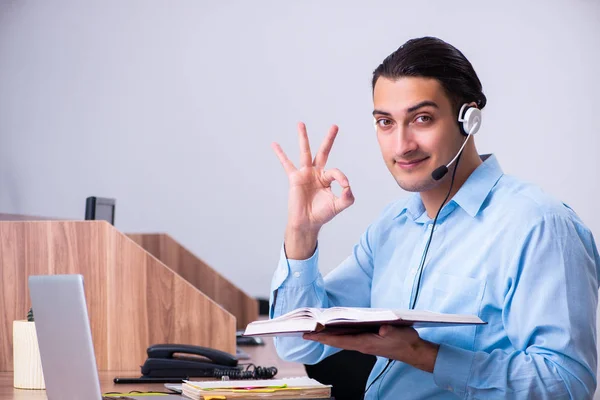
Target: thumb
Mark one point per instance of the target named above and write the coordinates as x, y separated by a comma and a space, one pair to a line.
385, 330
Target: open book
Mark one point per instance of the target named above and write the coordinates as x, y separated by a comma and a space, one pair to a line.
343, 320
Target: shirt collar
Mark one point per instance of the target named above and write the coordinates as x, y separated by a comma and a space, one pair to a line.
479, 184
413, 206
470, 196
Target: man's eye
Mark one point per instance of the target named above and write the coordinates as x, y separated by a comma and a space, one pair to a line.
383, 122
423, 119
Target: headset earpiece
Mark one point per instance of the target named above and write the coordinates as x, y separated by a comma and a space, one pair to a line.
469, 119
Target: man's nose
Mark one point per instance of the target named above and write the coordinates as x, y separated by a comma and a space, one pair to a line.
403, 142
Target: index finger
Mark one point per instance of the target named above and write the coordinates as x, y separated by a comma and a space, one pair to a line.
323, 153
288, 166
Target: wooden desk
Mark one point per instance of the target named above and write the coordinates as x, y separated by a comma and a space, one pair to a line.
264, 356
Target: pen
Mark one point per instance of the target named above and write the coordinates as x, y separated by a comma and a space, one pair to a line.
148, 380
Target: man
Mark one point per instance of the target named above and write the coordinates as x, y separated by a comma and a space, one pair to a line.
499, 248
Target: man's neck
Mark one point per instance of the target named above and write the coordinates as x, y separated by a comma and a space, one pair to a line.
432, 199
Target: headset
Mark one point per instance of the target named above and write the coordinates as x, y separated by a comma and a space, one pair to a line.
469, 122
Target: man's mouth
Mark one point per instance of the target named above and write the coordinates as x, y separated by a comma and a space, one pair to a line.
411, 164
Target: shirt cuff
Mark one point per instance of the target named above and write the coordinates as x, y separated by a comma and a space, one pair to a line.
301, 272
452, 369
295, 273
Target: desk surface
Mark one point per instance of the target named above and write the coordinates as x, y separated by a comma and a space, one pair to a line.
260, 355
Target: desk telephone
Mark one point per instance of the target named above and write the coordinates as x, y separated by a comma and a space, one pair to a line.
173, 360
185, 361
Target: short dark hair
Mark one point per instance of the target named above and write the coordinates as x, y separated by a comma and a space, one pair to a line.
430, 57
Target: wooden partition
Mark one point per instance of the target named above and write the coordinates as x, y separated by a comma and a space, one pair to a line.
201, 275
134, 300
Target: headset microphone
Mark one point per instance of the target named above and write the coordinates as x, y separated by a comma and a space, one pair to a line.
439, 172
469, 124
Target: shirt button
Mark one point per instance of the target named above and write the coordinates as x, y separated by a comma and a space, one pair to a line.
413, 271
297, 274
449, 388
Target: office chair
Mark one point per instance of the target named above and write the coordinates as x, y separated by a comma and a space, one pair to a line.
347, 371
263, 306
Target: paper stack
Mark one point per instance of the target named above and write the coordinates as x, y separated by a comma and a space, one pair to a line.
288, 388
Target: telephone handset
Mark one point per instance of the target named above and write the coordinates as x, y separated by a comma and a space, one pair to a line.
177, 360
212, 355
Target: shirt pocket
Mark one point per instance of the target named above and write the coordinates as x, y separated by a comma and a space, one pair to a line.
455, 294
452, 294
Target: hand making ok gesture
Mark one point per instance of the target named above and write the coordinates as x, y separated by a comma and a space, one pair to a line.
311, 202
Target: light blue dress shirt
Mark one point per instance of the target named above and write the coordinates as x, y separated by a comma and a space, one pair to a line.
503, 250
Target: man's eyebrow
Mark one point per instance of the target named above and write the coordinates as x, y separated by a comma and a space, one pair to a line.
387, 114
425, 103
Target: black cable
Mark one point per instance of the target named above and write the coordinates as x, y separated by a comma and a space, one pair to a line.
375, 380
384, 375
421, 266
252, 372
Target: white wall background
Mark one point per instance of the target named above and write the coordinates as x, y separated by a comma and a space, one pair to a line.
170, 107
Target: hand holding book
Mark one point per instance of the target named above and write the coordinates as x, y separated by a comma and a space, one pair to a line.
392, 342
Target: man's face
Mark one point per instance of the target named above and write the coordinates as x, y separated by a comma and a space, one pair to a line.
416, 129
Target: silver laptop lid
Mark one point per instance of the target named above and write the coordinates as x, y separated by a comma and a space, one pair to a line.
64, 337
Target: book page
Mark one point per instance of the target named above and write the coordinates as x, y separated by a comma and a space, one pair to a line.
340, 314
430, 316
300, 313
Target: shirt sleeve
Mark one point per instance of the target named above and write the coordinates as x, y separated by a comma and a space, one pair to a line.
549, 312
298, 283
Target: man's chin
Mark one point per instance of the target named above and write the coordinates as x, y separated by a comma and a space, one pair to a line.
421, 185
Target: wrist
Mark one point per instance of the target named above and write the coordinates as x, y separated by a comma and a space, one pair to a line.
300, 244
425, 355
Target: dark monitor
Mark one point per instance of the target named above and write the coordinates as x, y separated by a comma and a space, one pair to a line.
100, 208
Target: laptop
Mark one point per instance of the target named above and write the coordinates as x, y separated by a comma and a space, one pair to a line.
65, 339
